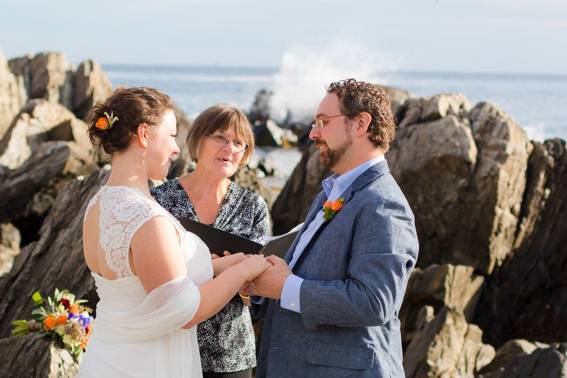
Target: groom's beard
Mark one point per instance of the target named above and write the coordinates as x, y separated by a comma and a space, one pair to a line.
330, 157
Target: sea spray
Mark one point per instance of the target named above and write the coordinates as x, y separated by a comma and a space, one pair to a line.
305, 72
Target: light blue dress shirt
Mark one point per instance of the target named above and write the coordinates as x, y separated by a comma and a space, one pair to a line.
334, 187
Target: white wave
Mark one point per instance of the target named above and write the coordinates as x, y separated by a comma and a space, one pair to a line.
305, 72
536, 131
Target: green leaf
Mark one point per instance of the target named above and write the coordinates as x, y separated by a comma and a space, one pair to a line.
36, 297
20, 331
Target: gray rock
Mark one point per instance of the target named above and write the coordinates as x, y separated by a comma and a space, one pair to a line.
24, 190
41, 121
543, 362
464, 176
498, 186
252, 178
278, 162
9, 246
510, 351
90, 85
47, 76
21, 67
526, 297
12, 96
269, 134
438, 286
427, 109
398, 97
433, 164
181, 165
447, 347
260, 109
35, 356
56, 259
441, 105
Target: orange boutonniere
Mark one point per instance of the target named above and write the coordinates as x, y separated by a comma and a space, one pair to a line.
331, 208
106, 122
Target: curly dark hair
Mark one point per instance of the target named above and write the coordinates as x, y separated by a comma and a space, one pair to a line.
132, 107
358, 96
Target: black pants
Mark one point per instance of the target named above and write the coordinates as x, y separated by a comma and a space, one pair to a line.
237, 374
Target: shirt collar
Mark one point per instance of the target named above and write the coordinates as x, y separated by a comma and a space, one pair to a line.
345, 180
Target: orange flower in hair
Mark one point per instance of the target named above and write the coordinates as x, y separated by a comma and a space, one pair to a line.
106, 122
102, 123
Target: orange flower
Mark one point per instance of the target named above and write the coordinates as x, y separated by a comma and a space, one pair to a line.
84, 343
102, 123
74, 309
62, 319
337, 205
49, 322
330, 209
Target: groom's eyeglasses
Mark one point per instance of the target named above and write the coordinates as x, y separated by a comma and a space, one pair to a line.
237, 144
319, 123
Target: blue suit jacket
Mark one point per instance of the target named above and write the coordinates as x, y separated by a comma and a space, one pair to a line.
355, 271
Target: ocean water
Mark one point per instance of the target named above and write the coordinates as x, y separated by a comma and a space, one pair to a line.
537, 102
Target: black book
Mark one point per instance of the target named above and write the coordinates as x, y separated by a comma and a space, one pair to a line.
219, 241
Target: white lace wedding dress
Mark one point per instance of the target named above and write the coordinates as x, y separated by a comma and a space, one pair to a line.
138, 334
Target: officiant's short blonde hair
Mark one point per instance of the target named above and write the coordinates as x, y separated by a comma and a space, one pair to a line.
220, 117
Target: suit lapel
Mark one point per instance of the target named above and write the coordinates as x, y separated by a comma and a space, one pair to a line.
362, 181
308, 247
315, 207
365, 178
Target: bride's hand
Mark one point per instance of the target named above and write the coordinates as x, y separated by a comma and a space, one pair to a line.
220, 264
255, 265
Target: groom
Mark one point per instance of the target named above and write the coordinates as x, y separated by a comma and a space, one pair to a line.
335, 298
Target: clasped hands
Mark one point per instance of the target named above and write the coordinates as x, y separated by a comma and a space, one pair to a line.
270, 283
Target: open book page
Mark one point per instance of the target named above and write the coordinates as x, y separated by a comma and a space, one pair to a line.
278, 245
267, 239
219, 241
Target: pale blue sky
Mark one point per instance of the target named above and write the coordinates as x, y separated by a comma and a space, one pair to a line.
517, 36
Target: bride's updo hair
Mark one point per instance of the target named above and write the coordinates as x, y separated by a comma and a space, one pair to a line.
113, 123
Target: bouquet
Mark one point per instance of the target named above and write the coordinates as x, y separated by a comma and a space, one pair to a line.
61, 317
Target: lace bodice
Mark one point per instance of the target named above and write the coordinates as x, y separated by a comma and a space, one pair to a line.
140, 334
123, 210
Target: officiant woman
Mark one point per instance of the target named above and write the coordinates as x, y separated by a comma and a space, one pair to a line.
220, 141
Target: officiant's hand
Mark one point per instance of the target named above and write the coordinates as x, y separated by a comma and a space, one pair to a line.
270, 283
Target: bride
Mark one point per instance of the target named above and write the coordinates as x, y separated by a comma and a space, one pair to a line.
154, 279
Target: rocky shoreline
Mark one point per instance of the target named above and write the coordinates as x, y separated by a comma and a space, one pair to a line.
488, 298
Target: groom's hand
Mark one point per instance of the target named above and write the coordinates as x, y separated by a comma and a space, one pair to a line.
270, 283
